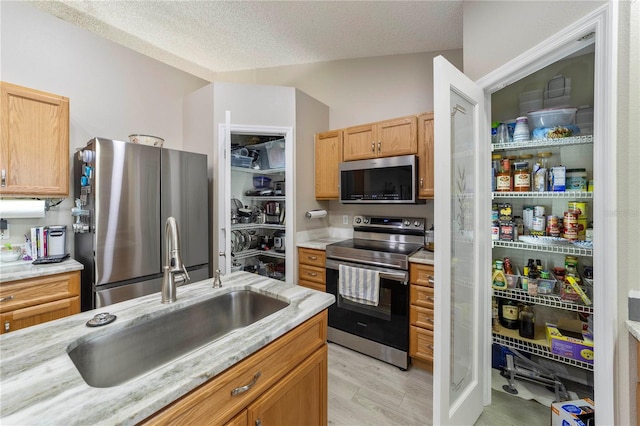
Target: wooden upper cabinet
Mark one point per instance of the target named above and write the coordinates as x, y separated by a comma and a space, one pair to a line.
382, 139
328, 155
425, 155
34, 142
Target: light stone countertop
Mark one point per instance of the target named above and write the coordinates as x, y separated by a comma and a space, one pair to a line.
423, 256
40, 383
21, 269
321, 243
634, 328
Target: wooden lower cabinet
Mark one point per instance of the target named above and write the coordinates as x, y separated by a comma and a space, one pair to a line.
283, 383
421, 314
298, 399
311, 268
34, 301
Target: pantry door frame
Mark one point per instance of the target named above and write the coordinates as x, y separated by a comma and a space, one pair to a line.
603, 23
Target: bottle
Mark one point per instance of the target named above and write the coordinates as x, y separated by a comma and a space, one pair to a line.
495, 322
532, 281
521, 177
503, 177
527, 322
499, 279
509, 314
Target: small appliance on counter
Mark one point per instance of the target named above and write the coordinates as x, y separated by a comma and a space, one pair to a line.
57, 240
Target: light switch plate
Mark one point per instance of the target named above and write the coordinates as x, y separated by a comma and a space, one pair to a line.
345, 219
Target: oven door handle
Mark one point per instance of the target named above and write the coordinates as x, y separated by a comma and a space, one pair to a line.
394, 276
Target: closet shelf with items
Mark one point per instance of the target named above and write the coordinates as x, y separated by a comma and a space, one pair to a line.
542, 240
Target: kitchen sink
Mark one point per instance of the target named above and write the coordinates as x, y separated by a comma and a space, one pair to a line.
115, 358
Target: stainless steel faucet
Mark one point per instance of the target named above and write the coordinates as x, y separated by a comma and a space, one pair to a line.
174, 270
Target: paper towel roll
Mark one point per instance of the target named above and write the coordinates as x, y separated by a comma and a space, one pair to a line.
314, 214
15, 209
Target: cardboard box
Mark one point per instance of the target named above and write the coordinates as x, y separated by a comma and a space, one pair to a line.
579, 413
571, 339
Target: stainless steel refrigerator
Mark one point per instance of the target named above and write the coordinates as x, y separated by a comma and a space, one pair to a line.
127, 191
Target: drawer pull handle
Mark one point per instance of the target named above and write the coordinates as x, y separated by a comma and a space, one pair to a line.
242, 389
373, 147
430, 299
4, 299
312, 257
312, 274
429, 320
430, 347
4, 178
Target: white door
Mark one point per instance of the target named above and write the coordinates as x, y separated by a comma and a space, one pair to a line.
462, 313
224, 199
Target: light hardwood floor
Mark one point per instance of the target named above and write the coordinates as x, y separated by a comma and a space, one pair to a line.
365, 391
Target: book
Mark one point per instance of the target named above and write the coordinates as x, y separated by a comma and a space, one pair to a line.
34, 244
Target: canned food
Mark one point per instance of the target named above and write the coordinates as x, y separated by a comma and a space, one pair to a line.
538, 210
579, 206
582, 228
571, 234
588, 235
538, 226
570, 217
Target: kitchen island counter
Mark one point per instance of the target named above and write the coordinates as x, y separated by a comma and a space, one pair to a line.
21, 269
40, 383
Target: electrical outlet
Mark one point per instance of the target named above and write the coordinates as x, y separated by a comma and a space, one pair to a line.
345, 219
5, 234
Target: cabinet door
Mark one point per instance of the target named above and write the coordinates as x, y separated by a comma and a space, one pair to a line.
328, 152
34, 142
360, 142
300, 398
425, 155
397, 137
38, 314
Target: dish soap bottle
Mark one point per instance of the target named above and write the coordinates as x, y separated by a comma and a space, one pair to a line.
499, 279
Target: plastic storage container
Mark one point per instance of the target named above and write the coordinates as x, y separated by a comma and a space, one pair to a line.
272, 154
241, 161
557, 93
530, 101
584, 120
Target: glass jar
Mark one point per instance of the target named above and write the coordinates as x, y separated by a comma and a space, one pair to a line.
521, 177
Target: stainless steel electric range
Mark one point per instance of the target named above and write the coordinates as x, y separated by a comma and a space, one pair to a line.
382, 244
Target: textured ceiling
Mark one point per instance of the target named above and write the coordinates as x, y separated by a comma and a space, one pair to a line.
205, 37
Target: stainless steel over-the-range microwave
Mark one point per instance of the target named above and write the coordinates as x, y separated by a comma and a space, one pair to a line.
380, 181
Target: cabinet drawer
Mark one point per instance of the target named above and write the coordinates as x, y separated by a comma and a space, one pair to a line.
421, 274
312, 285
311, 257
311, 273
213, 402
421, 317
38, 314
36, 291
422, 296
421, 343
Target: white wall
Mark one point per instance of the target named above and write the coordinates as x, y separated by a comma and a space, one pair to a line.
113, 91
494, 32
485, 51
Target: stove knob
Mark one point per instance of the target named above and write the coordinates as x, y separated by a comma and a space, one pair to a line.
358, 220
407, 223
417, 223
366, 220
